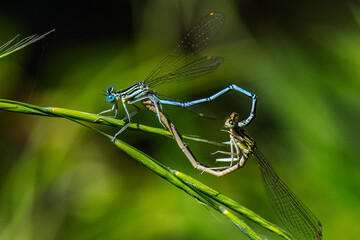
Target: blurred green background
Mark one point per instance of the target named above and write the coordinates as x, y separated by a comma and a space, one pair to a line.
59, 180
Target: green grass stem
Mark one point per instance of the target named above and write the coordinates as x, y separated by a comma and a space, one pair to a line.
199, 191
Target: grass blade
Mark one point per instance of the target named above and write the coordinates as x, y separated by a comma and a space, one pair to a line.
7, 49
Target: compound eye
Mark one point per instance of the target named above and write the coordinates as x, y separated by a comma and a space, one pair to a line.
110, 98
110, 90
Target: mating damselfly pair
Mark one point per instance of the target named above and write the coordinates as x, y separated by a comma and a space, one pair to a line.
182, 65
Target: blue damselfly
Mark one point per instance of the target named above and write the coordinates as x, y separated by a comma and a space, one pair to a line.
180, 65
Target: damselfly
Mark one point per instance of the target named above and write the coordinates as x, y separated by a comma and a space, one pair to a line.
295, 216
180, 65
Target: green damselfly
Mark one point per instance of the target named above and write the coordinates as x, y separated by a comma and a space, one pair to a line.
295, 216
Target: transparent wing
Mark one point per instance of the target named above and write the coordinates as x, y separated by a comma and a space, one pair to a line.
197, 38
4, 51
194, 69
295, 216
202, 112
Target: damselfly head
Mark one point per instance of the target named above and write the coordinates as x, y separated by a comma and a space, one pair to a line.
232, 120
110, 94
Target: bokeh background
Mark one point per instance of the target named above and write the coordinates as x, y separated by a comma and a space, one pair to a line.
58, 180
